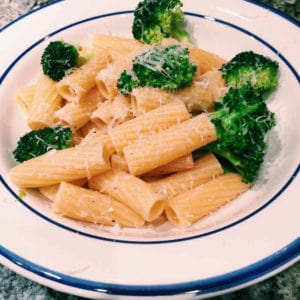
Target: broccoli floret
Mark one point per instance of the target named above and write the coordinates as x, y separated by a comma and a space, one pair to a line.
155, 20
242, 120
249, 68
168, 68
126, 83
58, 58
40, 141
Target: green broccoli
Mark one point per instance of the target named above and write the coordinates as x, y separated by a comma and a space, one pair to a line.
249, 68
155, 20
126, 82
242, 120
168, 68
58, 58
40, 141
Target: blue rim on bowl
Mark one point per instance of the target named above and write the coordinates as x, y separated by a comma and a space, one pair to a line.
270, 264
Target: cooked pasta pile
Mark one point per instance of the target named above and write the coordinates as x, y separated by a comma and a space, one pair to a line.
132, 160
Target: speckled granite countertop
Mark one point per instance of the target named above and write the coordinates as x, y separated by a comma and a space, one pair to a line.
285, 286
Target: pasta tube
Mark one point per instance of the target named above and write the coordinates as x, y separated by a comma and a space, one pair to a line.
170, 144
45, 103
144, 99
203, 92
131, 191
82, 161
153, 121
91, 206
77, 114
78, 83
182, 163
189, 207
112, 113
205, 60
50, 191
116, 47
99, 136
205, 168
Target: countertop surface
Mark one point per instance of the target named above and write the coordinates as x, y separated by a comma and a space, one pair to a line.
285, 285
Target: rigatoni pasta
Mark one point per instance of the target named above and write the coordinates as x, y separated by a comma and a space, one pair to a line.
50, 191
131, 191
148, 98
82, 161
205, 60
117, 47
182, 163
153, 121
46, 101
91, 206
170, 144
203, 92
112, 113
99, 137
77, 114
189, 207
78, 83
205, 169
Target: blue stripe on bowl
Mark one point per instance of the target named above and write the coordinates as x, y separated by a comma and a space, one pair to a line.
270, 264
282, 257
